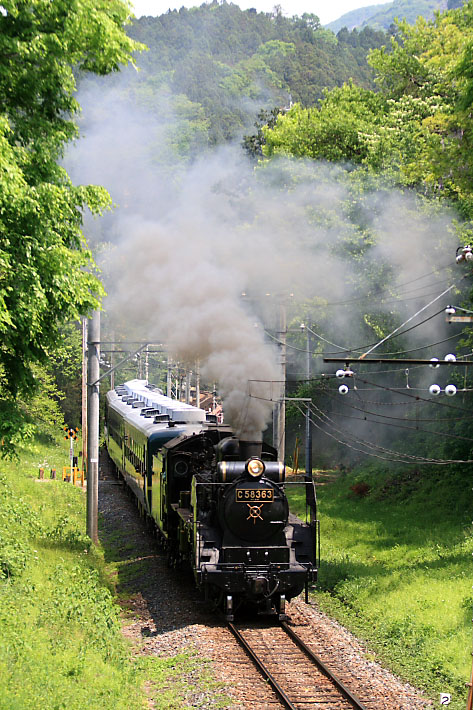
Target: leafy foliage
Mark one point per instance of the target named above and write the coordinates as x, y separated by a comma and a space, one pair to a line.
229, 63
415, 134
46, 271
418, 129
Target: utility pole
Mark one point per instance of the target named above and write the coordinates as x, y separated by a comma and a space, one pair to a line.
169, 378
279, 411
112, 363
308, 428
188, 387
93, 426
197, 384
84, 396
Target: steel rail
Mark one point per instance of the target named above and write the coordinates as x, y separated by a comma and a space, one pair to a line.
262, 668
342, 689
347, 694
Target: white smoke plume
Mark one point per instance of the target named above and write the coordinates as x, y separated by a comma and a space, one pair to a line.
187, 243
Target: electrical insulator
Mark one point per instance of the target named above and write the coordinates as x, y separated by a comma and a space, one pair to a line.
434, 362
450, 390
464, 254
434, 389
450, 358
340, 374
343, 389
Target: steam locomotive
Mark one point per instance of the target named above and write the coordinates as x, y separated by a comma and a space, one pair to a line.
217, 502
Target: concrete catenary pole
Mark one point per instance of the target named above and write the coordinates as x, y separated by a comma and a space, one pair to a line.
169, 378
197, 384
279, 412
308, 429
93, 426
84, 396
112, 363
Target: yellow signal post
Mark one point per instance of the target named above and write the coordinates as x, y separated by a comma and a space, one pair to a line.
71, 434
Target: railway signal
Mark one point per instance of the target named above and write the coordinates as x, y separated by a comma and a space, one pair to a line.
71, 434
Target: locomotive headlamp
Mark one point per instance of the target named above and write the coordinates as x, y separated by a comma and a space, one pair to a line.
255, 467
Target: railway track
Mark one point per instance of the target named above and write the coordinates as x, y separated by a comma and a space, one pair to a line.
296, 674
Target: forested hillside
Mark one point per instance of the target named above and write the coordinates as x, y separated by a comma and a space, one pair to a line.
412, 137
218, 65
383, 16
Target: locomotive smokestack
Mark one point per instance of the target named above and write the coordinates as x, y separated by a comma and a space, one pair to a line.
250, 448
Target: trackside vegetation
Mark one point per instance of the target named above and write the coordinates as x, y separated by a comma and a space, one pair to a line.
60, 629
396, 570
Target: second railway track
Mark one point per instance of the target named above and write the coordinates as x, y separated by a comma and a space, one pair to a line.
296, 674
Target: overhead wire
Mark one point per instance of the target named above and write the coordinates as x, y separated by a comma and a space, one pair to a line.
415, 396
351, 350
369, 445
402, 426
370, 449
405, 458
387, 416
345, 443
406, 283
421, 310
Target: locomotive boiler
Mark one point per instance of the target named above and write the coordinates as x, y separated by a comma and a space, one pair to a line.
217, 503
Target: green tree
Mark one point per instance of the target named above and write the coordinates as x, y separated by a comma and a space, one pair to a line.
46, 271
417, 129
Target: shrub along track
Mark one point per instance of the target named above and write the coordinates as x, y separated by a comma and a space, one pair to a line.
164, 616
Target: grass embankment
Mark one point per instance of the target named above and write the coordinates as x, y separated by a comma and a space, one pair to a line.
60, 633
397, 570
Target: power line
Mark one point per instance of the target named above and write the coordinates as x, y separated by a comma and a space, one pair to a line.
394, 455
402, 426
415, 396
421, 310
359, 347
406, 283
387, 416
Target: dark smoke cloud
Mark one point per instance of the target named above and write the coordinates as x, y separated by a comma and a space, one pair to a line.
187, 241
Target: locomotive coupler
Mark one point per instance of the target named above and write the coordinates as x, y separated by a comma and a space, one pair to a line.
259, 585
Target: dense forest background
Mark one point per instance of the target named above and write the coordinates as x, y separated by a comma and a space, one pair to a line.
383, 16
220, 65
352, 131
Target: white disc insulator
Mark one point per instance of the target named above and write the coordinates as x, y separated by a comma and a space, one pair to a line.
434, 389
434, 362
450, 390
343, 389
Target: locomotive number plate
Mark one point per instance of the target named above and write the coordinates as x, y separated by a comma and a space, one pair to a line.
262, 495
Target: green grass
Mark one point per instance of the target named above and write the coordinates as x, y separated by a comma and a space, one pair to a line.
61, 646
397, 570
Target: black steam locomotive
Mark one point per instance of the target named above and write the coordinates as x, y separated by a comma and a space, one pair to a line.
216, 501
